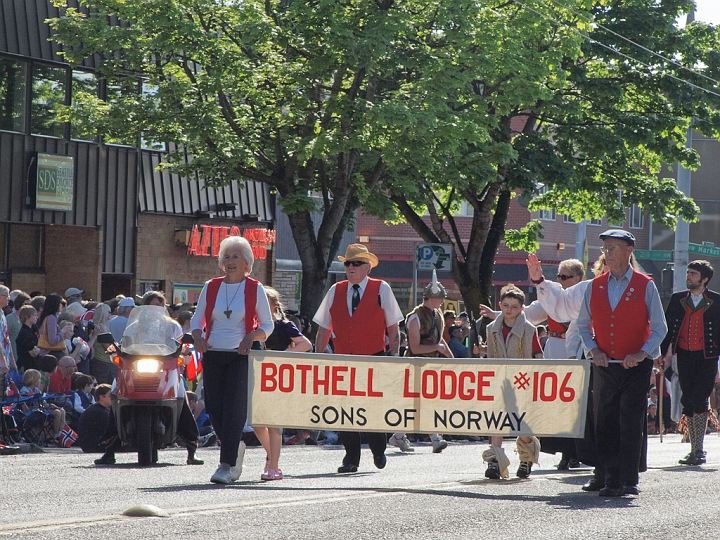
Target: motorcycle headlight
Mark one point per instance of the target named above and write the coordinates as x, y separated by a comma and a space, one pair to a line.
147, 365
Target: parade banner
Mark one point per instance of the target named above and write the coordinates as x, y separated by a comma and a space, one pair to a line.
422, 395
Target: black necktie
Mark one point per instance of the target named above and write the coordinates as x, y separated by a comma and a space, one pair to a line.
356, 297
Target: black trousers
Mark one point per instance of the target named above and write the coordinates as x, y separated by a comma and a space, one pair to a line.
620, 401
225, 376
351, 442
697, 380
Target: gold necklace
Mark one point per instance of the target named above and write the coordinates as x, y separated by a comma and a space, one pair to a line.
228, 311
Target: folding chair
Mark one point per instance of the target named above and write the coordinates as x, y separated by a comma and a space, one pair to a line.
36, 427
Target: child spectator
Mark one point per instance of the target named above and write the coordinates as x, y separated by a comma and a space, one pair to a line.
31, 387
83, 397
27, 339
202, 418
47, 364
511, 336
94, 421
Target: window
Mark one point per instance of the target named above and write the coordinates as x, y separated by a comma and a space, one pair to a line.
84, 92
567, 219
636, 217
12, 95
117, 91
465, 209
24, 247
546, 215
149, 93
147, 285
595, 222
48, 91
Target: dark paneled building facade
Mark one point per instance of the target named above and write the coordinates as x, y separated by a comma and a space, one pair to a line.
73, 208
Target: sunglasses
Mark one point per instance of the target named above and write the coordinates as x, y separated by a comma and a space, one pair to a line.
563, 277
354, 263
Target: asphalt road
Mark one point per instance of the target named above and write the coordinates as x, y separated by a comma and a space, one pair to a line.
61, 494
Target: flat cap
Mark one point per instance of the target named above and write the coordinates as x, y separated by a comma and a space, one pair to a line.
619, 234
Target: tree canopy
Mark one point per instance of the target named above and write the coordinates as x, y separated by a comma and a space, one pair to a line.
404, 107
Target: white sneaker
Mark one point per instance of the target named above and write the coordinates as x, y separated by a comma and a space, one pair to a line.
236, 471
223, 475
403, 444
439, 445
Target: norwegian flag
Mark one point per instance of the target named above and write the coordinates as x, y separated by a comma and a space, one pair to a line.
194, 365
67, 437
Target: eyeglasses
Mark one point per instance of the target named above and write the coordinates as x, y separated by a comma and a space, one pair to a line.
611, 250
563, 277
354, 263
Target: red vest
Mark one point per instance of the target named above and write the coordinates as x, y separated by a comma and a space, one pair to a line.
625, 330
363, 332
692, 334
251, 287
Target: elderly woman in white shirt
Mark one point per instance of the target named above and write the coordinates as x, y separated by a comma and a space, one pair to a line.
232, 314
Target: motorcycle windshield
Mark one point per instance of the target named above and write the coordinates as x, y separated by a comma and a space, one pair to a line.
149, 332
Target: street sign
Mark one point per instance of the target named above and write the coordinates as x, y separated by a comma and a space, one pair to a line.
434, 257
706, 248
654, 254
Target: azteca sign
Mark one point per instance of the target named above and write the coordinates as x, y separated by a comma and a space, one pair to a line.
205, 240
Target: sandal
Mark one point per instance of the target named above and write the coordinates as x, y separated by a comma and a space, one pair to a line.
272, 474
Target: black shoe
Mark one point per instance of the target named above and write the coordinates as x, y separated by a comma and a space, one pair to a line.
192, 460
595, 484
693, 458
564, 465
380, 461
631, 489
573, 463
524, 469
347, 468
612, 491
493, 470
106, 459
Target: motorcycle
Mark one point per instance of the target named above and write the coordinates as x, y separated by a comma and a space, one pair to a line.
148, 393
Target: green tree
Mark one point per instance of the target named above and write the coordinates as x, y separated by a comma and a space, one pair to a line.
400, 107
577, 110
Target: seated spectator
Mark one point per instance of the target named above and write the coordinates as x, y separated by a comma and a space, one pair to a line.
31, 387
47, 365
61, 380
456, 346
27, 339
202, 418
83, 397
652, 418
94, 421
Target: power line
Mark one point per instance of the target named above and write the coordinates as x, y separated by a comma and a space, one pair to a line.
611, 48
639, 46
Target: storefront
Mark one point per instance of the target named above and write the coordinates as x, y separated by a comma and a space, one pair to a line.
79, 212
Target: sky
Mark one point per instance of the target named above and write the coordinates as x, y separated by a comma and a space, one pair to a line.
708, 11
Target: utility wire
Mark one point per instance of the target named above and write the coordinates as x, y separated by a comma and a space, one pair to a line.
642, 47
610, 48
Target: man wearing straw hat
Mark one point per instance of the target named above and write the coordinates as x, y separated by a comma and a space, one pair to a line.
359, 312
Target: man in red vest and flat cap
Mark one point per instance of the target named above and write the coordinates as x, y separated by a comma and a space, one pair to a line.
622, 324
359, 311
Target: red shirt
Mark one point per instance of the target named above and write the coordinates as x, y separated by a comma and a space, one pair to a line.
536, 347
59, 384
